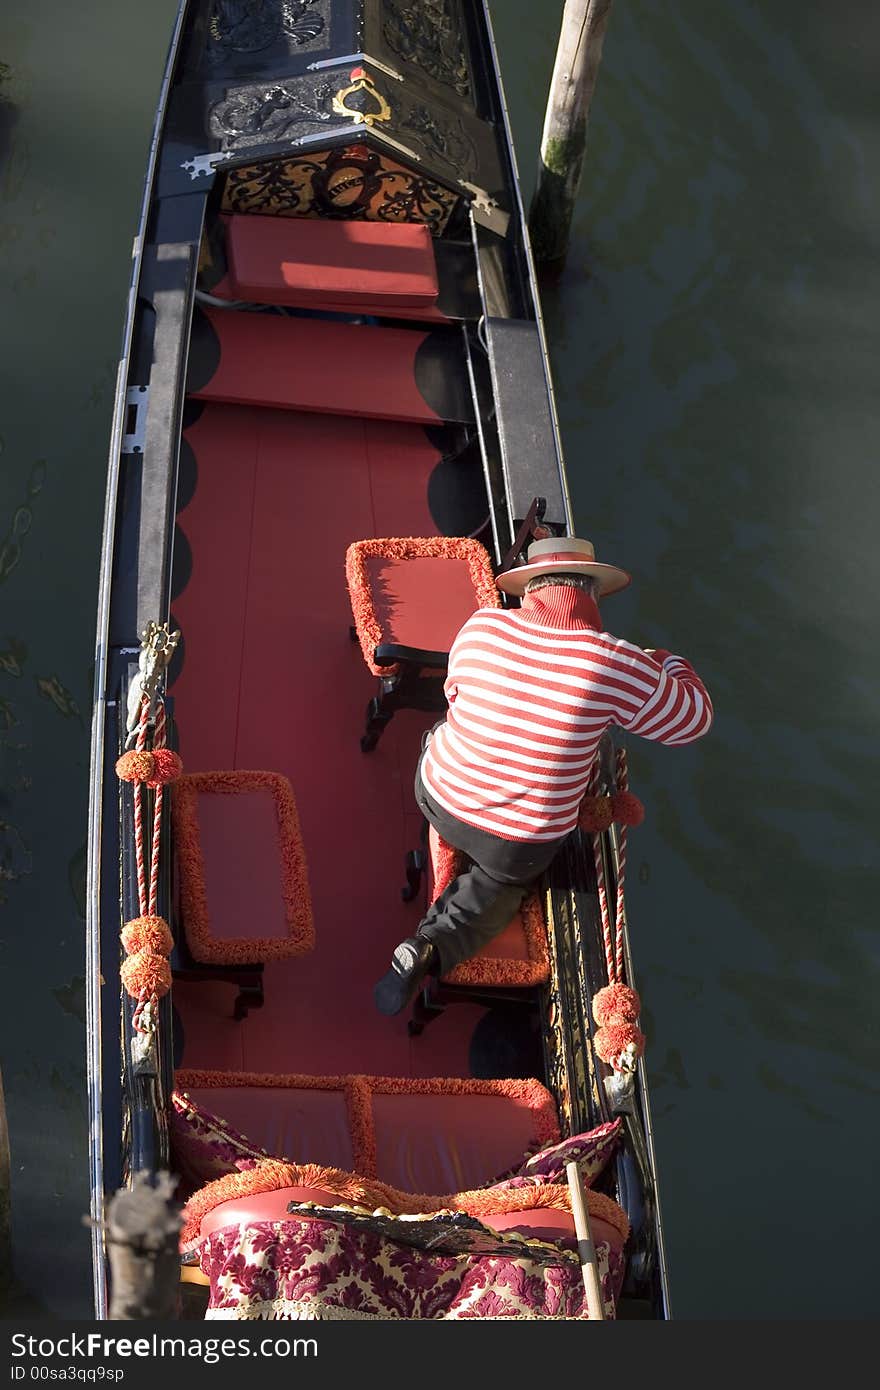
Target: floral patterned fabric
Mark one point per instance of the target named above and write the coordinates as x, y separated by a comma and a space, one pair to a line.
303, 1268
204, 1147
591, 1151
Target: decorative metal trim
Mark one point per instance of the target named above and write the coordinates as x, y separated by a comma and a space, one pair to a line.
334, 62
137, 398
204, 163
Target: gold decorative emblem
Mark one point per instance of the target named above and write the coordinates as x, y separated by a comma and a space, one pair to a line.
361, 100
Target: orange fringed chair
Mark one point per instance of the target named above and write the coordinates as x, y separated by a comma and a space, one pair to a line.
506, 969
241, 878
409, 597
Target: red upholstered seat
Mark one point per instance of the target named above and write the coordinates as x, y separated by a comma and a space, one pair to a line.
416, 592
375, 266
517, 956
535, 1223
412, 594
433, 1135
301, 363
244, 891
262, 1206
546, 1223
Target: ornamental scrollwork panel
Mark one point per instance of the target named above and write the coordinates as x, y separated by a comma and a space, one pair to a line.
429, 34
353, 182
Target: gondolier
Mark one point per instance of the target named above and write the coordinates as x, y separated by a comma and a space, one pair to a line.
531, 691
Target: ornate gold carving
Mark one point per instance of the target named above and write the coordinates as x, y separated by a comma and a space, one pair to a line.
369, 108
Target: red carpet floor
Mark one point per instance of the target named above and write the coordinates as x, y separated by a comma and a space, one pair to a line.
271, 680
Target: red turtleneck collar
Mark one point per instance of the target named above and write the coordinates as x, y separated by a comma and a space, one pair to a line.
561, 606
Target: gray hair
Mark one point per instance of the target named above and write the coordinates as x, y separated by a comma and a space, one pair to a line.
588, 582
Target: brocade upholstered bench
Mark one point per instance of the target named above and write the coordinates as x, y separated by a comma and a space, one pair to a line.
431, 1134
242, 888
362, 1221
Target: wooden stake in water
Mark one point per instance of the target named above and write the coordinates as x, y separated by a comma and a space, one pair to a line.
142, 1229
586, 1248
565, 127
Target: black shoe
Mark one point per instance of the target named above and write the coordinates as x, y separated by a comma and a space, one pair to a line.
413, 959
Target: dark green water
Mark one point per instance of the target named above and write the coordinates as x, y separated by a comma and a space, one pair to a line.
714, 342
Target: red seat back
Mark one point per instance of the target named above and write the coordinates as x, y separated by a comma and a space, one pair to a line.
359, 265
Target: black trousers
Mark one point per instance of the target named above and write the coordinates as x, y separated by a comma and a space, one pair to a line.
481, 901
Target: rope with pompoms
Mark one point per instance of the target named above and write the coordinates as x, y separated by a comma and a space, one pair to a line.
618, 1040
147, 939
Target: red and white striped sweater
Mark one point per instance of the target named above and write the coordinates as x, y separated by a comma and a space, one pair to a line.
531, 692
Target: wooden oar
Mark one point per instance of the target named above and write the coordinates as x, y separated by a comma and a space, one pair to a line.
586, 1248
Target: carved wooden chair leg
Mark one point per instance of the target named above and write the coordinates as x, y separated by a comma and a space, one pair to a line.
423, 1011
250, 996
378, 715
416, 863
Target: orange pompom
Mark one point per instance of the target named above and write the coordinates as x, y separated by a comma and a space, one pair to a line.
627, 809
167, 767
135, 766
147, 934
615, 1039
146, 971
595, 814
616, 1004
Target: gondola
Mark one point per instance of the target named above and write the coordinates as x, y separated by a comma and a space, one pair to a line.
334, 425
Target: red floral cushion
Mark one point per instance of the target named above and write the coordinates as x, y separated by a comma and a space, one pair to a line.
590, 1150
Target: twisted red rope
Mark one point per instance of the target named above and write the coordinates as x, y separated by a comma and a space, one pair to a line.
622, 786
148, 903
139, 814
612, 934
158, 742
607, 938
144, 999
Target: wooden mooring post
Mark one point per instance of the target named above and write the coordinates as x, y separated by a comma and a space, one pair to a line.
565, 128
142, 1225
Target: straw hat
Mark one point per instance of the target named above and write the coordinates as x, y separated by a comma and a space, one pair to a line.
562, 555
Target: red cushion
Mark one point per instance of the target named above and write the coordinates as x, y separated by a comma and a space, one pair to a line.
262, 1206
239, 843
418, 1134
546, 1223
313, 364
517, 956
537, 1223
244, 890
301, 1124
446, 1143
279, 260
421, 602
